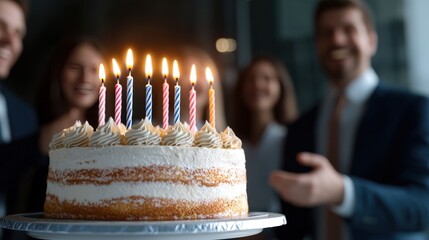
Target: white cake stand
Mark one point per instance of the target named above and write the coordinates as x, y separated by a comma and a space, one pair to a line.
52, 229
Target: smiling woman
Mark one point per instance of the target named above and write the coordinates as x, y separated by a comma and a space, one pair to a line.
70, 88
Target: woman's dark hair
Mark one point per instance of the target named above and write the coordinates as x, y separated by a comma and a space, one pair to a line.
51, 102
285, 110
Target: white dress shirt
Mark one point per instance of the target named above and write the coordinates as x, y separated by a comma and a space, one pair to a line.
4, 121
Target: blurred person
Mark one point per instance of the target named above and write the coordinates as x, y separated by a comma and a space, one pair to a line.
17, 118
362, 154
69, 92
18, 121
264, 103
70, 88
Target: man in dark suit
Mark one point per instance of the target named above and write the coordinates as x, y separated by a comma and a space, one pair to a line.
18, 122
357, 165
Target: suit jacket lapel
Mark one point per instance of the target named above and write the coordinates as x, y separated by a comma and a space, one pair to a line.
369, 133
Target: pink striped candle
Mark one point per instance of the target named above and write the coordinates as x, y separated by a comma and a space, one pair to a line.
165, 92
118, 93
193, 101
118, 102
102, 97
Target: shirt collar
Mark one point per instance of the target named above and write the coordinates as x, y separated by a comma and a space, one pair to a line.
359, 89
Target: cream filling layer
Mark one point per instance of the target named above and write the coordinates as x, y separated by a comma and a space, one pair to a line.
138, 156
88, 194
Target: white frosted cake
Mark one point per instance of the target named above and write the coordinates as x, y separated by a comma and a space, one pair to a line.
145, 174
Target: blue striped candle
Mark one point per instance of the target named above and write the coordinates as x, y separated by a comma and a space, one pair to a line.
176, 75
129, 100
177, 102
149, 101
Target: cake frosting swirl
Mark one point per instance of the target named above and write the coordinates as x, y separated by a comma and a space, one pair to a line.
108, 134
57, 140
178, 135
208, 137
143, 133
229, 139
78, 135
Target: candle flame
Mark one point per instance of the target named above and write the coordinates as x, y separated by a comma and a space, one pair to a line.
193, 74
130, 61
164, 67
102, 73
148, 68
116, 69
209, 75
176, 73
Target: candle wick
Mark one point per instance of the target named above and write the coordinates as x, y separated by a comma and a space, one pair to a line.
148, 79
177, 81
129, 71
211, 84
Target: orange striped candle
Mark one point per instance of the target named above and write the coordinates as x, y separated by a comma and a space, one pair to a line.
212, 107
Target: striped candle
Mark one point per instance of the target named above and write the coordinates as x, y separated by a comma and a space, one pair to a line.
165, 103
129, 100
148, 70
176, 75
192, 109
193, 101
118, 93
118, 102
129, 62
177, 102
149, 101
165, 97
102, 98
102, 105
212, 115
212, 106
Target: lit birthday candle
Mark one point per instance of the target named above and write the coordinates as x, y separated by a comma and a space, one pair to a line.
212, 115
193, 101
130, 63
148, 71
165, 97
118, 92
176, 75
102, 97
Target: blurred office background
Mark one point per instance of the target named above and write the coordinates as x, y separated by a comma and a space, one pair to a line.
249, 27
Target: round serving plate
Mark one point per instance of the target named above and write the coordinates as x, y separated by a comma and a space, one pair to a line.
54, 229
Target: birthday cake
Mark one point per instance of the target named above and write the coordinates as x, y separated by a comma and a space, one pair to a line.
145, 173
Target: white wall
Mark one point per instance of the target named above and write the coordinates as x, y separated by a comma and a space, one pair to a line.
417, 41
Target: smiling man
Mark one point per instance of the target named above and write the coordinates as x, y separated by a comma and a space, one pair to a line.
18, 125
17, 119
357, 165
